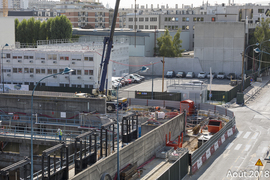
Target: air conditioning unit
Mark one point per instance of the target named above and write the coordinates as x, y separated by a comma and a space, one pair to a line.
90, 77
19, 61
42, 61
31, 61
79, 77
66, 77
73, 62
54, 76
31, 75
8, 61
54, 62
8, 75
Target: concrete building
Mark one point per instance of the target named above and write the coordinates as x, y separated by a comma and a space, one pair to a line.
42, 15
7, 31
141, 42
28, 66
219, 45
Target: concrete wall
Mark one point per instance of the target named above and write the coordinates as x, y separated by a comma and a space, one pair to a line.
51, 106
7, 31
219, 45
176, 64
138, 151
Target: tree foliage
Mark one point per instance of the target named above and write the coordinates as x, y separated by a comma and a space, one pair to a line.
168, 47
29, 31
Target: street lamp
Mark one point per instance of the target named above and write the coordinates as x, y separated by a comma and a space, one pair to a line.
243, 69
66, 70
260, 58
2, 57
143, 69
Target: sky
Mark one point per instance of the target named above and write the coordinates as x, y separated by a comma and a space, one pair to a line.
171, 3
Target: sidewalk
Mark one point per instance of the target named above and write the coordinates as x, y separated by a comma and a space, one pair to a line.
250, 91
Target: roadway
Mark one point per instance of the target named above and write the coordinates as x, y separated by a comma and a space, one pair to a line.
237, 157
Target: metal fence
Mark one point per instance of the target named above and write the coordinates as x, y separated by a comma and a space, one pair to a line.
200, 151
178, 169
150, 102
42, 93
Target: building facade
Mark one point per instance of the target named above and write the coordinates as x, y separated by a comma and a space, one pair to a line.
28, 66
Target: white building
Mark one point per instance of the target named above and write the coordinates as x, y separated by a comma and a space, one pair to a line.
28, 66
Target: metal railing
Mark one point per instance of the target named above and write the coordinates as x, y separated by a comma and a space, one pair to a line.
41, 93
38, 133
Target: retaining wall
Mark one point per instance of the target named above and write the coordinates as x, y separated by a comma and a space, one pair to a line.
138, 151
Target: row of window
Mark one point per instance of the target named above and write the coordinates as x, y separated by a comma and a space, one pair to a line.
184, 19
50, 57
49, 71
61, 85
142, 27
142, 19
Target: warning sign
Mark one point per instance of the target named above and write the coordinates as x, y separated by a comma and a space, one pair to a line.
259, 163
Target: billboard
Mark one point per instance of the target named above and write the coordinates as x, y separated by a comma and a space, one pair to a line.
17, 87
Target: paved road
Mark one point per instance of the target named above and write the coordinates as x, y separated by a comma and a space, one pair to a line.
236, 158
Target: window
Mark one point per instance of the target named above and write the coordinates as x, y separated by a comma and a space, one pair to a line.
136, 19
183, 27
37, 71
88, 58
61, 70
14, 70
14, 57
49, 71
260, 10
19, 57
40, 56
88, 72
130, 26
26, 70
42, 71
140, 26
187, 19
193, 27
62, 85
153, 19
176, 19
25, 57
146, 19
153, 27
166, 19
183, 19
202, 19
213, 19
194, 19
31, 70
198, 19
66, 58
88, 86
73, 72
141, 19
79, 72
187, 27
19, 70
146, 27
8, 55
130, 19
6, 70
52, 56
54, 71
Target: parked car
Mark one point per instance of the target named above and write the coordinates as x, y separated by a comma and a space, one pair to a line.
202, 75
140, 76
170, 74
213, 75
221, 75
231, 76
115, 84
181, 74
129, 80
190, 75
196, 82
136, 80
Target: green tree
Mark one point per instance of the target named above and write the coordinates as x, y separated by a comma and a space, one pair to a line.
61, 28
43, 31
177, 44
16, 29
67, 27
37, 30
22, 34
48, 28
168, 47
30, 30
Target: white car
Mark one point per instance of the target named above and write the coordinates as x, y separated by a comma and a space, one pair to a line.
202, 75
221, 75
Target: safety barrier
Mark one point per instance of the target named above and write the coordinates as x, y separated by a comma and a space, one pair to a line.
208, 148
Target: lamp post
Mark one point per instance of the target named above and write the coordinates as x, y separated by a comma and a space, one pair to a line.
163, 62
243, 69
143, 69
152, 94
66, 70
260, 57
2, 75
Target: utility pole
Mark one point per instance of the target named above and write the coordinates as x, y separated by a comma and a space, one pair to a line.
163, 62
243, 55
152, 80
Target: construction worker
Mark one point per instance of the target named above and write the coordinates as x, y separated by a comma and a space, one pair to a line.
59, 133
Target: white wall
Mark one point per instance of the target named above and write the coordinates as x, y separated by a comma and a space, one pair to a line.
7, 31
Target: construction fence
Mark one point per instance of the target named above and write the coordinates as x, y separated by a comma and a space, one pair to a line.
208, 148
227, 96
